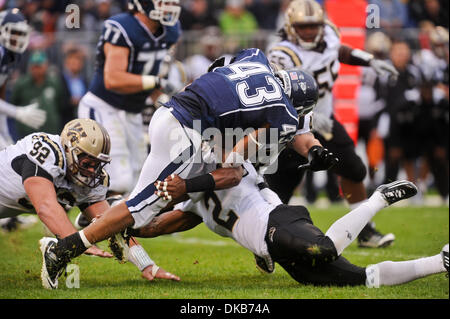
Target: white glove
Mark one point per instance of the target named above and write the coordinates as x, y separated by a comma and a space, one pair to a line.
323, 125
31, 115
383, 67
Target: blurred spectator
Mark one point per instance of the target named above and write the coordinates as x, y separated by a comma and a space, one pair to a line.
74, 84
371, 103
236, 20
393, 13
211, 44
433, 119
197, 15
402, 101
38, 86
265, 12
430, 10
281, 14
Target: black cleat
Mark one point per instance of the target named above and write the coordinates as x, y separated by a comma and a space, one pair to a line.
119, 246
52, 267
397, 191
444, 254
264, 265
369, 237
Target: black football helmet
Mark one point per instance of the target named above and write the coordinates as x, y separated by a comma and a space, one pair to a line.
301, 88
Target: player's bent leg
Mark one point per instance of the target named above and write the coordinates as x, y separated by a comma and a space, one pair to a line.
337, 273
345, 230
292, 235
175, 150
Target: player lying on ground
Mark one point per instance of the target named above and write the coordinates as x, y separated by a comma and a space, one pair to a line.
247, 94
47, 174
254, 217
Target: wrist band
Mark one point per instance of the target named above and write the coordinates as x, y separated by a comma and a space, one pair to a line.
360, 57
140, 258
148, 82
200, 183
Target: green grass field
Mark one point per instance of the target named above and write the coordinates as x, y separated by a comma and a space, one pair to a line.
212, 267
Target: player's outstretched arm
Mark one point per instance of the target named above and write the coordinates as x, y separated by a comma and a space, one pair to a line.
42, 195
168, 223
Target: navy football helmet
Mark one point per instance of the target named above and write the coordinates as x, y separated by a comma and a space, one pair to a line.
301, 88
166, 12
14, 31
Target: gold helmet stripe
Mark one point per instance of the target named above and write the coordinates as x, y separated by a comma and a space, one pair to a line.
294, 57
308, 9
106, 140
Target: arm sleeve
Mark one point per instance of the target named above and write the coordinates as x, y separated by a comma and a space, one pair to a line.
26, 168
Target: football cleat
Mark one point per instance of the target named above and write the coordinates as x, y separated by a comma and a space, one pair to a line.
397, 191
371, 238
118, 244
52, 267
264, 265
444, 254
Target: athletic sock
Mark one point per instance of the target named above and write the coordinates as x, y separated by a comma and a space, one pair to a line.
346, 229
389, 273
72, 246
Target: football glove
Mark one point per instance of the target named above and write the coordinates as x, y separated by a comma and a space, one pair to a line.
319, 159
31, 115
383, 67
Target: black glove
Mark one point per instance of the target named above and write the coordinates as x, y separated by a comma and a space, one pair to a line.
320, 159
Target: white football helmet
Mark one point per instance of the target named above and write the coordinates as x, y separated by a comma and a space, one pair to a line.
166, 12
14, 31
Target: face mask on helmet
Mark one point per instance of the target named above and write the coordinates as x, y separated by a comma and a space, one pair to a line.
304, 23
14, 31
166, 12
87, 145
301, 88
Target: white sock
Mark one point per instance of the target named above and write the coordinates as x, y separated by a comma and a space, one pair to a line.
389, 273
346, 229
85, 241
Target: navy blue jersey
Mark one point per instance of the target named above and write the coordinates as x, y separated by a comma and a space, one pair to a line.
244, 94
8, 62
146, 53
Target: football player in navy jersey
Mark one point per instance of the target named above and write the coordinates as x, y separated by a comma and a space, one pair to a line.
129, 54
246, 94
14, 39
